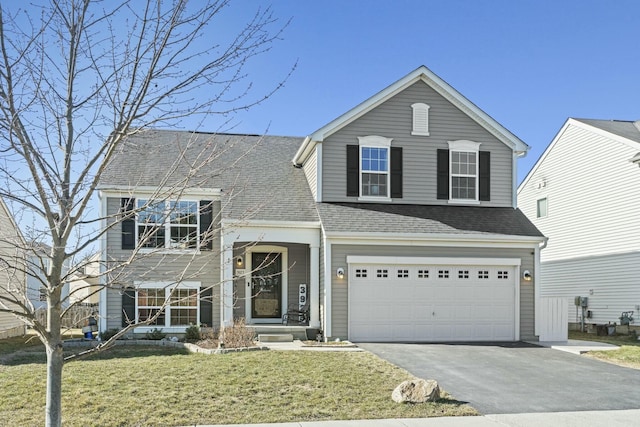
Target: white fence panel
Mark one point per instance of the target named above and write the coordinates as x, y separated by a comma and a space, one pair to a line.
554, 319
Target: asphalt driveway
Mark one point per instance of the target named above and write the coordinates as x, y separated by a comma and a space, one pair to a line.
517, 378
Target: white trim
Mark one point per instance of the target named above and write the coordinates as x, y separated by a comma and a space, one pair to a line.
374, 141
102, 296
436, 83
464, 146
159, 193
328, 278
391, 260
254, 223
167, 286
284, 251
454, 240
319, 169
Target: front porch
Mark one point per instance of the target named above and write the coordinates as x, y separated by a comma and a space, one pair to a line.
269, 271
296, 332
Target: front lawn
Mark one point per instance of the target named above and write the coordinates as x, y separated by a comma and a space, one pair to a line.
628, 355
158, 386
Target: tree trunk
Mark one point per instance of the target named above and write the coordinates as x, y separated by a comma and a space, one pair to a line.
55, 360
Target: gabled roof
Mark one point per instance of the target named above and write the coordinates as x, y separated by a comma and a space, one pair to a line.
425, 75
626, 132
463, 221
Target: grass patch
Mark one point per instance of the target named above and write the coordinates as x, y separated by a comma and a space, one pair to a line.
158, 386
628, 355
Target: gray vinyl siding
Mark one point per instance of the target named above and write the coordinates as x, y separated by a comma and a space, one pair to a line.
609, 281
203, 267
393, 119
298, 273
10, 278
311, 172
340, 303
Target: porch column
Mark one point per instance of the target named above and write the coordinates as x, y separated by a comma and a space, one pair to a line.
314, 278
226, 290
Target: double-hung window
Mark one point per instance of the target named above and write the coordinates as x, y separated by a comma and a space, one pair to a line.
374, 166
464, 170
167, 224
182, 304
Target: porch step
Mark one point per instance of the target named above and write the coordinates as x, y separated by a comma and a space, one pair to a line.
275, 337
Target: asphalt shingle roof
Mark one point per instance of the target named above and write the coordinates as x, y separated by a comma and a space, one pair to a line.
626, 129
397, 218
258, 180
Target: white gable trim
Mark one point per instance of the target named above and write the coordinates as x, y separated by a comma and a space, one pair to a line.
443, 88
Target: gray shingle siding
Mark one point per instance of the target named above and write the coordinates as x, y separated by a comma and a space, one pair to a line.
393, 119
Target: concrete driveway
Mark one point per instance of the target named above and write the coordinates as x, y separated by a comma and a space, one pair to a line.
518, 377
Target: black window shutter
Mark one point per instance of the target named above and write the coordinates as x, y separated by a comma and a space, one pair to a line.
206, 307
353, 170
206, 218
443, 174
128, 307
128, 223
484, 166
396, 172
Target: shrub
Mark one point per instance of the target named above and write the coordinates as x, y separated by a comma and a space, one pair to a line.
192, 334
156, 334
238, 335
106, 335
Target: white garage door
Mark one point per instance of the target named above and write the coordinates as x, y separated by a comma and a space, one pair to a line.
432, 302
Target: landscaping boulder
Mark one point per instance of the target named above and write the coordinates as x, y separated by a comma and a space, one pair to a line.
416, 391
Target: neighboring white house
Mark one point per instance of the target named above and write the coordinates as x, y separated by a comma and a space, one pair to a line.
584, 195
39, 264
84, 284
12, 279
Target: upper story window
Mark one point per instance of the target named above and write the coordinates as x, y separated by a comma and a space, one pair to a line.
374, 166
420, 119
463, 173
167, 224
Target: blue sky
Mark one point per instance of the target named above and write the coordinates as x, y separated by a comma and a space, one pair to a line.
528, 64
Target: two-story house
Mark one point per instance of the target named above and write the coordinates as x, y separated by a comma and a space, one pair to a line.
12, 276
582, 194
397, 221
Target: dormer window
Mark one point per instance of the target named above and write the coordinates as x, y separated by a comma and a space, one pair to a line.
420, 119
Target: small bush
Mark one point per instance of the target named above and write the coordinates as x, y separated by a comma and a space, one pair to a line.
156, 334
108, 334
192, 334
238, 335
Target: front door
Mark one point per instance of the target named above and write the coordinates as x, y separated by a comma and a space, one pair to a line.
266, 285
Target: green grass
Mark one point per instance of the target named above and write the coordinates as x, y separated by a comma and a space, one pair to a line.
157, 386
628, 355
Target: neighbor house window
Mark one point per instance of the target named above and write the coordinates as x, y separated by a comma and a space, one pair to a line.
182, 307
167, 224
374, 166
541, 211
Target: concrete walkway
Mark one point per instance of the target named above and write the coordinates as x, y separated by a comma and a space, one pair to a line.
625, 418
577, 346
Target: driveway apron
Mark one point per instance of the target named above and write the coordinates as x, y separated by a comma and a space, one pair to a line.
517, 377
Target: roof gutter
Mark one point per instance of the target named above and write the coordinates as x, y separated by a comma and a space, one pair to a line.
303, 152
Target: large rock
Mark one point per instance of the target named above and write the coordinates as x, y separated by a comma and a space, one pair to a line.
416, 391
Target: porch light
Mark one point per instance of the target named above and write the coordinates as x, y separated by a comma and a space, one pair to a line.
239, 261
526, 275
340, 273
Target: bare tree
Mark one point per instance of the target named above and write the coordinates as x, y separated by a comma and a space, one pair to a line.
77, 79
